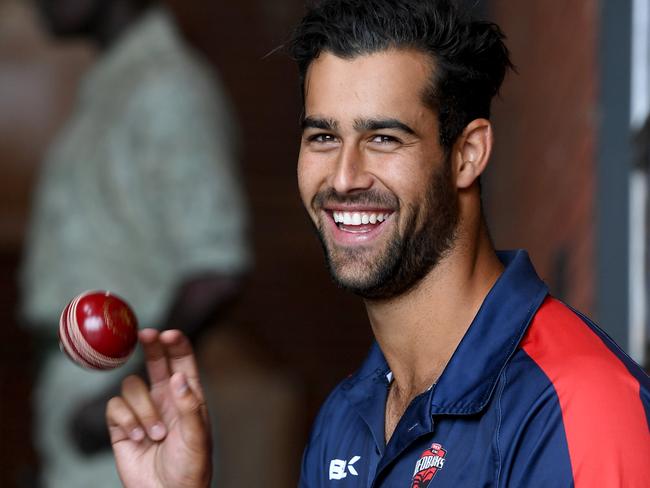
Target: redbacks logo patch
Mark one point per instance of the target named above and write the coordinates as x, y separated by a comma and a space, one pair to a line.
431, 461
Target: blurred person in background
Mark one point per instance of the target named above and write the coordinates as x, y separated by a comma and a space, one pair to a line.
139, 194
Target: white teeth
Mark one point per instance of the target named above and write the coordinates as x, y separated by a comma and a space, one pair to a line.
358, 218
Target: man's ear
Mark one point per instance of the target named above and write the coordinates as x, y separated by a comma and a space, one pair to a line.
472, 152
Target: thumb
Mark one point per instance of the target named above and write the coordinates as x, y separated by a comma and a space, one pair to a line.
193, 422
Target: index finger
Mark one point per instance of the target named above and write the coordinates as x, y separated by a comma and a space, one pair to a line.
180, 356
154, 354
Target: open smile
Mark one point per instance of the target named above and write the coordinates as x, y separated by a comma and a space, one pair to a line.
359, 219
353, 227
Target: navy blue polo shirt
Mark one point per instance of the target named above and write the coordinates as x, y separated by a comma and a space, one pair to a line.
535, 395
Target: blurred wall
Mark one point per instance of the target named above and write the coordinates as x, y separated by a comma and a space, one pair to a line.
37, 85
540, 187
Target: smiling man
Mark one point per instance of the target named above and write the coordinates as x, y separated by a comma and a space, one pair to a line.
478, 377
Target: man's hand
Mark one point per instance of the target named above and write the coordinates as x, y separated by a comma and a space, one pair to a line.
161, 434
196, 305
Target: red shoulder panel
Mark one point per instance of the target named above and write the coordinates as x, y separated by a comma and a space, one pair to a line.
604, 419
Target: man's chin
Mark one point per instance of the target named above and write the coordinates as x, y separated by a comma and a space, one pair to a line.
347, 277
362, 280
376, 281
359, 270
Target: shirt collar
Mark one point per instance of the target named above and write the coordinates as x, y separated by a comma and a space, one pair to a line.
470, 377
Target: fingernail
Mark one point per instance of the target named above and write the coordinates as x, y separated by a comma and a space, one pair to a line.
158, 431
137, 434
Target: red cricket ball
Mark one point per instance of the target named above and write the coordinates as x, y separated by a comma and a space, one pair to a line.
98, 330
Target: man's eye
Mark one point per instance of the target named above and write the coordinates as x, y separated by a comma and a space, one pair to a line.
322, 138
384, 139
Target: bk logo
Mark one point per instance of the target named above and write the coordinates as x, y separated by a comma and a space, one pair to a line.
431, 461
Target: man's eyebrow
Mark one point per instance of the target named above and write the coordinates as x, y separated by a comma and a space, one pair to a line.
319, 123
379, 124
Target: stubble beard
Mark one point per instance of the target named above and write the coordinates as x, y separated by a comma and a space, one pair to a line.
406, 258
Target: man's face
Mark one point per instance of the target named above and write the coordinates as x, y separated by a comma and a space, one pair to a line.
372, 174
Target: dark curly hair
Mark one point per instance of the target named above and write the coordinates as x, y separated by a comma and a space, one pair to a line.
470, 58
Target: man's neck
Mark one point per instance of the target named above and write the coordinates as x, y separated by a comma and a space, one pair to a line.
419, 331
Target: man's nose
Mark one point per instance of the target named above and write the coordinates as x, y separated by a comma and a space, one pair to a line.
350, 173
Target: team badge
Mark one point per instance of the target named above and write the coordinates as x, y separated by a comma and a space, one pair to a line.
431, 461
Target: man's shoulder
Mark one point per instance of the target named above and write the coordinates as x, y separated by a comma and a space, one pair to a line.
571, 385
570, 370
573, 352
